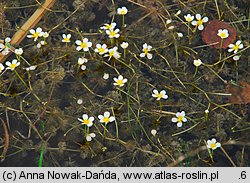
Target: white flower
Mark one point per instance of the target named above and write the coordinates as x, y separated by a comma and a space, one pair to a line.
12, 65
40, 44
179, 34
82, 60
101, 49
90, 136
85, 44
189, 18
106, 118
4, 48
83, 67
86, 120
79, 101
180, 118
168, 21
153, 132
146, 49
31, 68
113, 53
178, 12
236, 57
120, 81
199, 21
105, 76
7, 40
197, 62
160, 95
113, 33
19, 51
1, 67
36, 33
124, 45
235, 47
171, 27
122, 11
206, 111
223, 33
66, 38
108, 26
213, 144
45, 34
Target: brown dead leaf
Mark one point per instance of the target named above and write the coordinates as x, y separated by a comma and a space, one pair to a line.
240, 93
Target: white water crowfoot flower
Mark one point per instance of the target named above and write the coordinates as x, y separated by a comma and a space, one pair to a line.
84, 45
212, 144
31, 68
82, 60
235, 47
101, 49
124, 45
146, 49
197, 62
19, 51
45, 34
106, 118
36, 33
86, 120
66, 38
189, 18
105, 76
41, 43
180, 118
223, 33
113, 53
1, 67
236, 57
90, 136
108, 26
153, 132
122, 11
12, 65
113, 33
160, 95
199, 22
4, 47
120, 81
179, 34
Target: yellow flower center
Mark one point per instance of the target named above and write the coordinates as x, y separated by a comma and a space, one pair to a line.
180, 118
86, 121
223, 35
200, 22
119, 82
236, 47
123, 12
159, 95
112, 33
36, 35
108, 26
105, 119
111, 53
213, 145
66, 39
84, 45
146, 51
13, 66
189, 19
101, 50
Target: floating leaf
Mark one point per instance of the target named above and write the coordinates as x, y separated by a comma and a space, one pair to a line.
210, 37
240, 92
